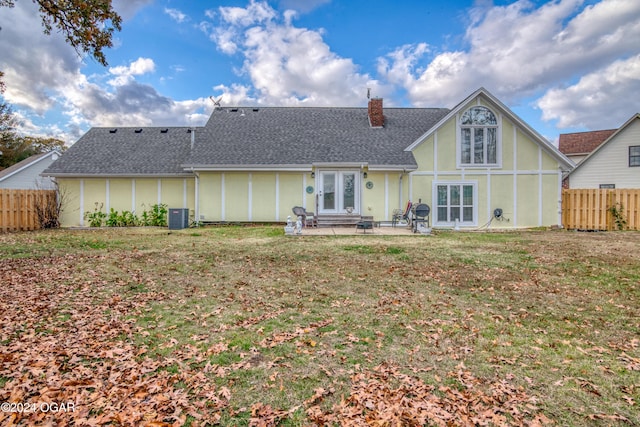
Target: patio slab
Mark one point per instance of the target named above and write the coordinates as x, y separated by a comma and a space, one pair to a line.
352, 231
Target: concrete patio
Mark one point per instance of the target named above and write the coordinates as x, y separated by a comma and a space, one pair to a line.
352, 231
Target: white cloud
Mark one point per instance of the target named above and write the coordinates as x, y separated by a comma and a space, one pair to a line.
285, 64
256, 12
518, 49
43, 74
600, 100
176, 15
125, 74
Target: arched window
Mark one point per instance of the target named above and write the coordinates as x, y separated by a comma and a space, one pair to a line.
478, 137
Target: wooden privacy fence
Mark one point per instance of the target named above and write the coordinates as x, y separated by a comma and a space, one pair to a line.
23, 210
589, 209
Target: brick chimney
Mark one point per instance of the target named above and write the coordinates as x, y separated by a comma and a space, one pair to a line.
376, 115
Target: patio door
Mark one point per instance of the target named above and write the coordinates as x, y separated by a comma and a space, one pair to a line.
338, 192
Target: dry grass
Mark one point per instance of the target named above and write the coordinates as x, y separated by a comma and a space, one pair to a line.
293, 331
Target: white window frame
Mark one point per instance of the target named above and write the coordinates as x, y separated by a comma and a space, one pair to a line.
460, 127
434, 202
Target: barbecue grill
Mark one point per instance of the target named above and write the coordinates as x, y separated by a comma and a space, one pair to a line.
420, 213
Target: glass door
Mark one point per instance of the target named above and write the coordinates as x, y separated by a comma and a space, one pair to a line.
338, 192
327, 199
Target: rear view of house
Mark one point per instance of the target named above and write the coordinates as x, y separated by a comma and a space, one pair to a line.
254, 164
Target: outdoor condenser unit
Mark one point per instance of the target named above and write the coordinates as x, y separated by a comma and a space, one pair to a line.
178, 218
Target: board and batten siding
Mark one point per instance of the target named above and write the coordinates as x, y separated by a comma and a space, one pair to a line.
253, 196
610, 164
526, 186
80, 196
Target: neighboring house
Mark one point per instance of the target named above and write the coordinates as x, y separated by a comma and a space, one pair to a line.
255, 164
578, 145
615, 163
25, 175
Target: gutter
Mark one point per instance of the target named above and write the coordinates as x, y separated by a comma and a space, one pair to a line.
248, 168
110, 175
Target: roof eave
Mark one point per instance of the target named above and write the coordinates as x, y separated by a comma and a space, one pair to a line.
115, 175
246, 168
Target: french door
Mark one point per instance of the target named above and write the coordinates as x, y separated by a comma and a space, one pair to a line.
338, 192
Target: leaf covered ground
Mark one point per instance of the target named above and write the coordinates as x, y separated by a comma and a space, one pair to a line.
244, 326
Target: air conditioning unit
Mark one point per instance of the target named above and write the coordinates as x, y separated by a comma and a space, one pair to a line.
178, 218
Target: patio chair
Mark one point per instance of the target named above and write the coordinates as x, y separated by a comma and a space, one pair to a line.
400, 215
309, 219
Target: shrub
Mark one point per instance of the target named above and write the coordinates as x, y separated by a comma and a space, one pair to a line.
97, 217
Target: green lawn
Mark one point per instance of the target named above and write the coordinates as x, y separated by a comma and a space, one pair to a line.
244, 326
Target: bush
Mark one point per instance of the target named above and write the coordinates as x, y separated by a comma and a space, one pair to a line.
156, 216
97, 217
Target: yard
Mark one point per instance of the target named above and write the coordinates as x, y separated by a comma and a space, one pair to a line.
244, 326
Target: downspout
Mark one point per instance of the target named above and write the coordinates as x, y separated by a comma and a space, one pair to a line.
400, 204
196, 206
196, 201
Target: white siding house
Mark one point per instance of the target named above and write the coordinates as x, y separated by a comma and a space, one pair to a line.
25, 175
615, 163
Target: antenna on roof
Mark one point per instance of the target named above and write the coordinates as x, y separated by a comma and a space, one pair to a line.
216, 102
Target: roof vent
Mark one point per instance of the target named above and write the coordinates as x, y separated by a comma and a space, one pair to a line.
138, 131
165, 130
256, 110
234, 110
113, 130
189, 130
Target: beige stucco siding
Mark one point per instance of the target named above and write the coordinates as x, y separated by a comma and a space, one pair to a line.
253, 196
83, 195
210, 197
446, 146
384, 197
236, 196
70, 212
146, 193
95, 195
291, 192
263, 196
527, 152
527, 200
120, 193
501, 198
507, 144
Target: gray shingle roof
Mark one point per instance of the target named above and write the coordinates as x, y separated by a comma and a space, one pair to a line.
306, 136
264, 137
126, 152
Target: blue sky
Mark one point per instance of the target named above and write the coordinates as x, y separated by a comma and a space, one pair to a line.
562, 65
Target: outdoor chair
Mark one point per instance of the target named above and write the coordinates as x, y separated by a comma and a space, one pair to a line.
401, 215
309, 219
